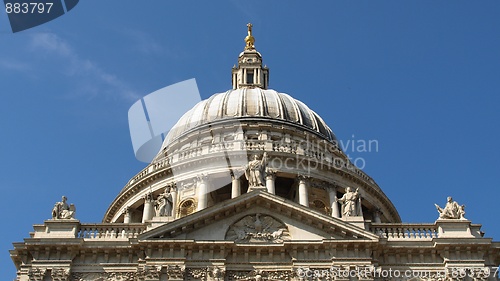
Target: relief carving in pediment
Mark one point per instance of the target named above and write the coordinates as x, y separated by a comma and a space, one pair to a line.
258, 228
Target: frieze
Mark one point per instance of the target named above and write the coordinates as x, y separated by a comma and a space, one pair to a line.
103, 276
206, 273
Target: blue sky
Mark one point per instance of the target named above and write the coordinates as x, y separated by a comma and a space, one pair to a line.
420, 77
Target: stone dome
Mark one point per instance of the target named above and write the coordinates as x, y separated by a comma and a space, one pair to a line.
205, 157
250, 103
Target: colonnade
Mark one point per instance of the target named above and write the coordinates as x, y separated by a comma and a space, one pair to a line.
202, 191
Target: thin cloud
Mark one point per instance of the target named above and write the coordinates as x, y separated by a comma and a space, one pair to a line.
51, 42
97, 81
148, 45
13, 65
144, 43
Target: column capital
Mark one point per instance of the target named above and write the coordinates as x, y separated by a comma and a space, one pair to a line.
202, 178
270, 174
303, 178
60, 274
172, 186
36, 273
148, 197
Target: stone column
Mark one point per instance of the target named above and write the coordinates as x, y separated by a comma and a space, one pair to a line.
202, 192
334, 205
376, 216
126, 215
360, 209
303, 191
235, 186
173, 192
270, 178
148, 212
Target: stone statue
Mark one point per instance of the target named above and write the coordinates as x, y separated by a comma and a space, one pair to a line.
62, 210
255, 171
452, 210
164, 203
349, 203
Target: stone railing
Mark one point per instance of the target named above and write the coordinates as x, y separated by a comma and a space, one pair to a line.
318, 152
404, 231
140, 175
255, 145
110, 231
190, 153
223, 146
161, 164
285, 147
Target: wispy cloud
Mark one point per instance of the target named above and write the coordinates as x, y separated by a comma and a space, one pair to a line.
97, 81
145, 43
51, 42
140, 41
11, 64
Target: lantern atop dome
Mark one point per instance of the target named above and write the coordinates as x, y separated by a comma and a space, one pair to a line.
249, 73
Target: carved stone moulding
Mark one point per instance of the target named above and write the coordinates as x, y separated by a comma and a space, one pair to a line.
104, 276
257, 275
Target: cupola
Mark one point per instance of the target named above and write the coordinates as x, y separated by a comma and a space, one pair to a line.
249, 73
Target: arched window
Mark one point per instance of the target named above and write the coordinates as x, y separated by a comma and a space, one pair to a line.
320, 206
187, 207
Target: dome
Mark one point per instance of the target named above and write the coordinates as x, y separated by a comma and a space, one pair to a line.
247, 139
250, 103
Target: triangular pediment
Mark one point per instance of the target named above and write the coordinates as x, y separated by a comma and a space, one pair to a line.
258, 216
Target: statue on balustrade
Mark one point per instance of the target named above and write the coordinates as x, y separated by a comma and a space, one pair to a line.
164, 203
255, 171
452, 210
350, 203
62, 210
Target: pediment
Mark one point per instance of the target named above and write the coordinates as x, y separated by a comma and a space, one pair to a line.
258, 217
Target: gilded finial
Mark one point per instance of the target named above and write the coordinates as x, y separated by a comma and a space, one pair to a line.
250, 40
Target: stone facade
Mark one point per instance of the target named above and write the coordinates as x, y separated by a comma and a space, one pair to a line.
251, 185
